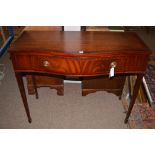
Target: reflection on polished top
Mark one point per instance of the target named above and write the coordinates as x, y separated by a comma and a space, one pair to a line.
85, 42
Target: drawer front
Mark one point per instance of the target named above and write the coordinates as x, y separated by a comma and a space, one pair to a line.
99, 66
48, 64
80, 65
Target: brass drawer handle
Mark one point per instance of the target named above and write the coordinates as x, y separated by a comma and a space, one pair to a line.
112, 71
113, 64
46, 63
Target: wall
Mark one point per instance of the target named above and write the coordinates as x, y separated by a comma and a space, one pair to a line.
72, 28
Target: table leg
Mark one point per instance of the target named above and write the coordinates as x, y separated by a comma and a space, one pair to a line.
135, 93
20, 82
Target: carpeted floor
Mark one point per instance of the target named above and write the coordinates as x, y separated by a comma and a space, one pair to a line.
142, 116
98, 110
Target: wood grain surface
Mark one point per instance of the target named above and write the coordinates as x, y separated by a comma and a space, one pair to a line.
73, 42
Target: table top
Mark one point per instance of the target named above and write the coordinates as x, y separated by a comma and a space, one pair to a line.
73, 42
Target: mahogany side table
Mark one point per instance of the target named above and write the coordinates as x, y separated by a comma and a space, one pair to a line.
79, 54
